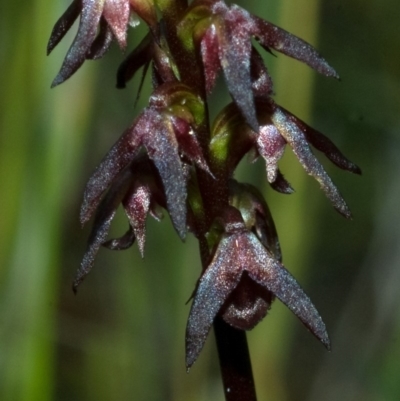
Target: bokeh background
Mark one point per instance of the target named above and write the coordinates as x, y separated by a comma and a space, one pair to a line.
122, 336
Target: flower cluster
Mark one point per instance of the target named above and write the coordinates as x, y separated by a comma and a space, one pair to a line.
170, 158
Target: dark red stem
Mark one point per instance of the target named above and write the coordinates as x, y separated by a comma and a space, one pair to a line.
234, 360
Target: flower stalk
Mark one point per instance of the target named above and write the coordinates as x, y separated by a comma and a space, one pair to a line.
174, 158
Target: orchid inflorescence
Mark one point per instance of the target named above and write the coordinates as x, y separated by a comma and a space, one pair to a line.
171, 158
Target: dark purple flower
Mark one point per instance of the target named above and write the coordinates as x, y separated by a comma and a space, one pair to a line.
223, 35
279, 128
100, 22
240, 283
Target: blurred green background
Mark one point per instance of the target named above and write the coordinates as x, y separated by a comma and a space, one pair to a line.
122, 337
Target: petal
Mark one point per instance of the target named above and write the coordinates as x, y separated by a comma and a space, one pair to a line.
118, 158
209, 53
297, 141
116, 13
234, 53
63, 25
162, 148
325, 145
271, 36
137, 206
269, 273
102, 42
101, 226
262, 81
270, 145
76, 55
189, 144
218, 281
281, 185
139, 57
247, 305
121, 243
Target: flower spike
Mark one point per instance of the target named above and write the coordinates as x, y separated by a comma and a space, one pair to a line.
170, 158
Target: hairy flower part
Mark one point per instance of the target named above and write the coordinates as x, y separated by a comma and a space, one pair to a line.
296, 139
137, 190
166, 129
100, 21
223, 36
249, 303
324, 145
256, 215
241, 256
278, 128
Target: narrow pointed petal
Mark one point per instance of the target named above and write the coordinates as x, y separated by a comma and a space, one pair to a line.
76, 55
121, 243
189, 144
102, 42
137, 206
209, 53
218, 281
262, 81
139, 57
118, 158
325, 145
116, 13
162, 148
63, 25
234, 53
281, 185
270, 145
297, 141
271, 36
275, 278
101, 226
